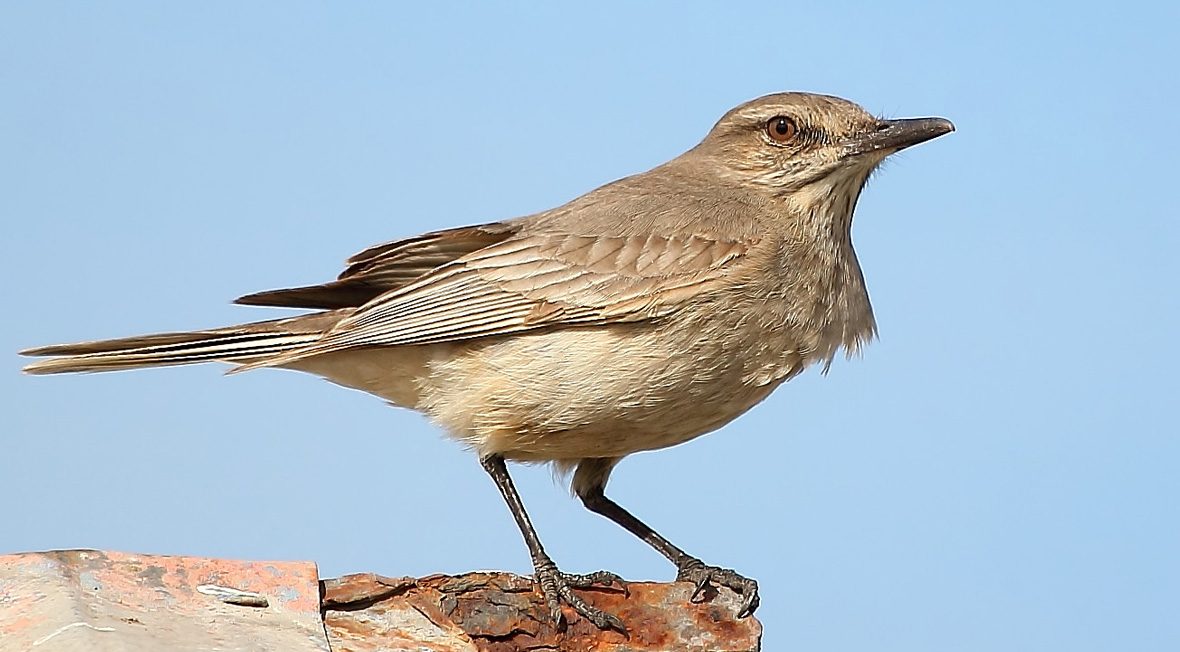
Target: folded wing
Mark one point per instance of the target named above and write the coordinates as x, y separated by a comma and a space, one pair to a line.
384, 267
528, 282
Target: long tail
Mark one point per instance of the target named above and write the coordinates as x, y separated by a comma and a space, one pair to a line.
232, 344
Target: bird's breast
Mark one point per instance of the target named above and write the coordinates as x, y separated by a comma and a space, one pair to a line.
609, 391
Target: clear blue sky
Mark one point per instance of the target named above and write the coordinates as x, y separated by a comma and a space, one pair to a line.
1001, 471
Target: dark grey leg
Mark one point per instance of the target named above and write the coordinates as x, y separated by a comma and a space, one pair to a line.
688, 568
555, 585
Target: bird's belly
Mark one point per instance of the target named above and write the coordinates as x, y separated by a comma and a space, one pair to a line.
600, 392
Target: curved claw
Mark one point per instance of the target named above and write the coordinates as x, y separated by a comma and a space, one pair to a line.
557, 587
598, 578
749, 604
698, 590
701, 575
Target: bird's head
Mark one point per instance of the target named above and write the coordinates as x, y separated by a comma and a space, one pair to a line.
787, 141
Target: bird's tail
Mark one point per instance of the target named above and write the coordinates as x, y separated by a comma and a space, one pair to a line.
247, 342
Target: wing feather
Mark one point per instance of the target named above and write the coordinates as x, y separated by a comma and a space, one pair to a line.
527, 282
385, 267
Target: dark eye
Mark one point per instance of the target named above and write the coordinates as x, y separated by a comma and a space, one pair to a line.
781, 129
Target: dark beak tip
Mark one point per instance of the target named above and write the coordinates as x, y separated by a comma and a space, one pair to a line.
911, 131
933, 126
896, 135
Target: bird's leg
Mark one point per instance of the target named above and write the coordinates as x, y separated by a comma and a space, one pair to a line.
688, 568
555, 585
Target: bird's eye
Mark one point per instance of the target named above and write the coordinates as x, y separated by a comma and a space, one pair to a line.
781, 129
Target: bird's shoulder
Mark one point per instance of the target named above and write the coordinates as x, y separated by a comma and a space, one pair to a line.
667, 201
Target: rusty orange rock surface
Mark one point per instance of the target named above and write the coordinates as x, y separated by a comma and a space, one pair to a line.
63, 601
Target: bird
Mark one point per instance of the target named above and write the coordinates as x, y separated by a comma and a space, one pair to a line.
640, 315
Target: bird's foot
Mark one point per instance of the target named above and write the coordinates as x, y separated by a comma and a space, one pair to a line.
701, 575
557, 587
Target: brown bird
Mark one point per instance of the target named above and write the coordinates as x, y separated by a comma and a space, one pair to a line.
638, 316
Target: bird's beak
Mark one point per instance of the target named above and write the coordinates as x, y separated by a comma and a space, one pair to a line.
896, 135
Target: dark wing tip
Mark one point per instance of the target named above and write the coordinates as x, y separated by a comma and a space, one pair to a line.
38, 351
266, 298
328, 296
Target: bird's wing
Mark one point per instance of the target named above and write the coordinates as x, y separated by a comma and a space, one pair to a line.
385, 267
529, 282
